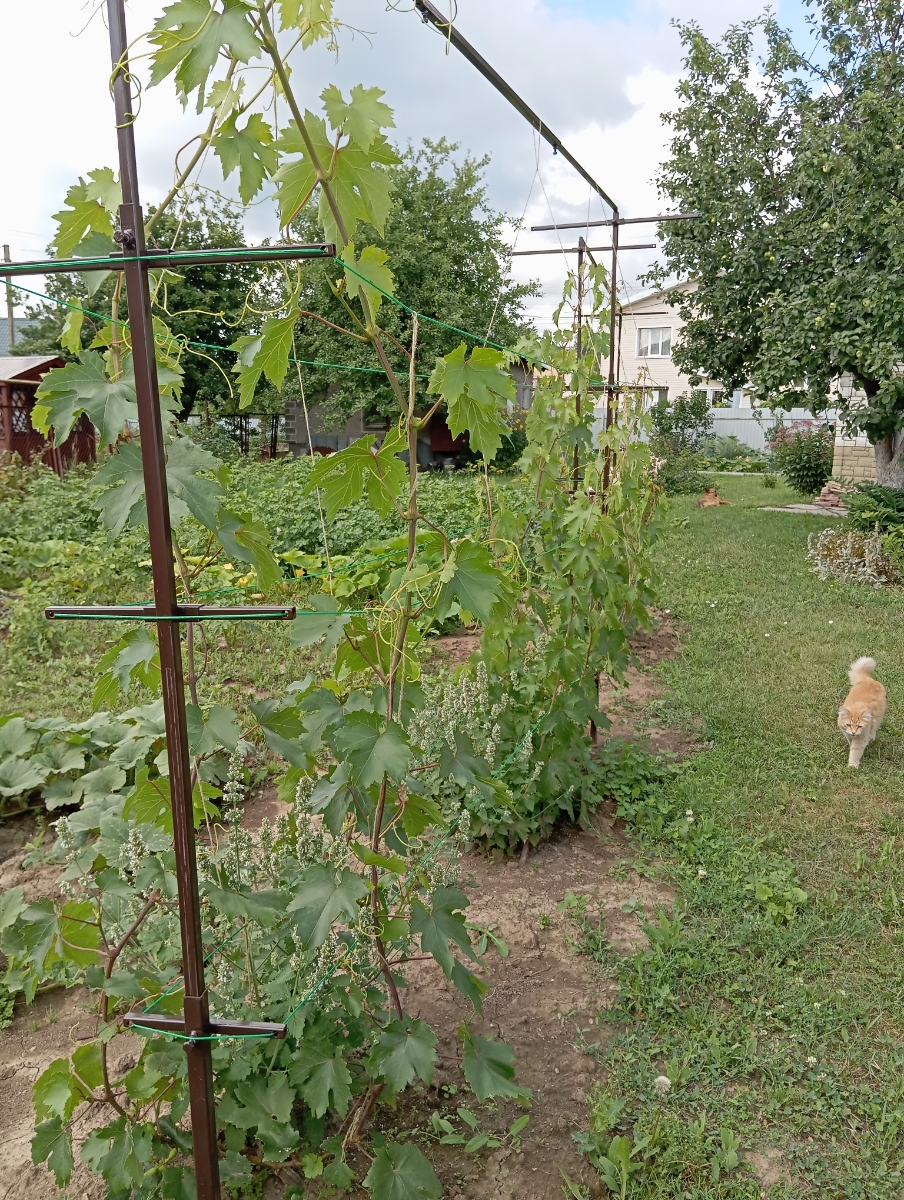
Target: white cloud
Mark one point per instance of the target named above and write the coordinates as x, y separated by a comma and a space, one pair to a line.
598, 72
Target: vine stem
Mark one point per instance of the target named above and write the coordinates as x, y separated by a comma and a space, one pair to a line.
112, 956
270, 45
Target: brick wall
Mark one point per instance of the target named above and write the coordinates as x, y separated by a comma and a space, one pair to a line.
855, 459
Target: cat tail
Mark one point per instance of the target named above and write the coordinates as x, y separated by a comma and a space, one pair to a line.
862, 669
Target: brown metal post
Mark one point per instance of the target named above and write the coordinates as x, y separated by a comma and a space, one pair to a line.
576, 468
613, 353
131, 235
10, 314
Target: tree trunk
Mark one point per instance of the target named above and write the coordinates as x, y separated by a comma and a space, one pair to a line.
890, 461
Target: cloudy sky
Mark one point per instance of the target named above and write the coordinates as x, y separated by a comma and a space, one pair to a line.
598, 72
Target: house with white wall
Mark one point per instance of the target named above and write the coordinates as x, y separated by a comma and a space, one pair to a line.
648, 330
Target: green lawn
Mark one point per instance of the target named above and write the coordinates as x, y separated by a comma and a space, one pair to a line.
777, 1017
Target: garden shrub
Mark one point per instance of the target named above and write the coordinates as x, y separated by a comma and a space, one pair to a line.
678, 432
803, 452
872, 506
852, 555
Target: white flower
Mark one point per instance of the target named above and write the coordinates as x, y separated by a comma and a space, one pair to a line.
831, 622
811, 1061
767, 635
690, 820
701, 874
662, 1085
689, 812
816, 1004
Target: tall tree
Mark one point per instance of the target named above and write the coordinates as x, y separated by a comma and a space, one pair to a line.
796, 164
449, 261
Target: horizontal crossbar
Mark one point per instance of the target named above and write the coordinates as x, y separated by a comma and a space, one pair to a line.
170, 258
184, 612
621, 221
164, 1023
589, 249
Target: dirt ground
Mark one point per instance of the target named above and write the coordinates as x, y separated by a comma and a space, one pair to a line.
543, 1002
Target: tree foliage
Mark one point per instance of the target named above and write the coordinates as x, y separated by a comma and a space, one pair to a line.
449, 260
795, 164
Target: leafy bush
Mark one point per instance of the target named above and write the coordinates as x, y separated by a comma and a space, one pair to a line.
681, 475
803, 452
872, 506
683, 424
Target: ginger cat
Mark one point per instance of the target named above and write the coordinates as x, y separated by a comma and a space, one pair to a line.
863, 709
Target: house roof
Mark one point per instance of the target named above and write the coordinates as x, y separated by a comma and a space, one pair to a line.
657, 297
20, 366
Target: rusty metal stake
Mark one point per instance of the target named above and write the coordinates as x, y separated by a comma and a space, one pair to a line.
131, 236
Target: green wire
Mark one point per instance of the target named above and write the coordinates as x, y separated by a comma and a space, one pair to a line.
304, 362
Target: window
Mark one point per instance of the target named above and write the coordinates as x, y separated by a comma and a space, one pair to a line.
654, 343
655, 396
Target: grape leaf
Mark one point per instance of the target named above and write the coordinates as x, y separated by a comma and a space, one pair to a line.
402, 1173
71, 333
265, 907
84, 212
419, 813
189, 492
472, 578
361, 117
267, 355
12, 903
249, 541
319, 1075
95, 245
262, 1101
306, 629
442, 925
474, 391
378, 278
489, 1069
332, 797
54, 1093
188, 37
471, 986
283, 728
461, 764
119, 1152
386, 862
404, 1049
343, 476
79, 934
320, 897
52, 1143
360, 185
39, 930
370, 752
178, 1183
250, 150
83, 387
313, 17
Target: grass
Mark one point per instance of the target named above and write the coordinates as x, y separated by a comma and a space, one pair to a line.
772, 1001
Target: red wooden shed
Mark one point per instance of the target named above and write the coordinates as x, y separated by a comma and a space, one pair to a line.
20, 376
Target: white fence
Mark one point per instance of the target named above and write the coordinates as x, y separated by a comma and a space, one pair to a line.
753, 425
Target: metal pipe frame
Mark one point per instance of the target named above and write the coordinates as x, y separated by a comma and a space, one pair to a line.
588, 249
169, 258
432, 16
184, 612
619, 221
